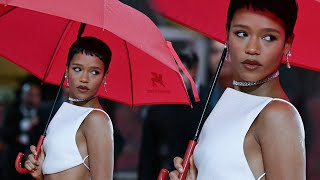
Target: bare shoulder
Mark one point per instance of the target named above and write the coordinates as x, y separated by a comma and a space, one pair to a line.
97, 120
280, 117
280, 133
278, 112
98, 133
97, 114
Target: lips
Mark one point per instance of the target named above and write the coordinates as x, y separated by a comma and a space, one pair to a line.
83, 89
251, 64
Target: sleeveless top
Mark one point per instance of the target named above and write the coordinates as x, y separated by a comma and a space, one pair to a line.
60, 145
219, 153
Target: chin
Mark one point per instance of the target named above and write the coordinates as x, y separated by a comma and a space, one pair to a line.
250, 76
82, 96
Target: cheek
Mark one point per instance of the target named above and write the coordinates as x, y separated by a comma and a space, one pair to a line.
234, 57
97, 81
236, 48
97, 84
274, 56
71, 78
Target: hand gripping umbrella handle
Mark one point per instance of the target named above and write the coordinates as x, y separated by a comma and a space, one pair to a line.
185, 164
20, 155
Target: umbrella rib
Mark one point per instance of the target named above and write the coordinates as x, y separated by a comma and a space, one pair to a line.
55, 50
11, 9
212, 87
53, 106
131, 82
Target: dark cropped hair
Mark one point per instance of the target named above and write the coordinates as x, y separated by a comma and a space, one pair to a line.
286, 10
93, 47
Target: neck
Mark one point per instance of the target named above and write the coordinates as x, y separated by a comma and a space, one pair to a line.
255, 83
225, 82
271, 88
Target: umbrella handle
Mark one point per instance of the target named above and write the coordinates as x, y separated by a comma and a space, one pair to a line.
163, 174
20, 155
185, 163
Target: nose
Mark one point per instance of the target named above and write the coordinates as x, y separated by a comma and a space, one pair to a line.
253, 46
84, 77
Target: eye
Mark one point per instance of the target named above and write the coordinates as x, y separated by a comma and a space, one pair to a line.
77, 69
241, 34
95, 72
269, 38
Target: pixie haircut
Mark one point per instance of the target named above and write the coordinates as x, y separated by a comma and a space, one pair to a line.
93, 47
286, 10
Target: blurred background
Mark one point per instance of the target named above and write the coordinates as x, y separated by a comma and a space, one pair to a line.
147, 138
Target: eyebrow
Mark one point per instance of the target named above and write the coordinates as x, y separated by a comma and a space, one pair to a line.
264, 29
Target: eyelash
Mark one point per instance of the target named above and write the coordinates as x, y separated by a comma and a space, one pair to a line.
76, 69
94, 72
237, 33
244, 34
272, 38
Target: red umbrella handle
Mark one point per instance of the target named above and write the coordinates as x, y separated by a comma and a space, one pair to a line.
185, 164
163, 174
20, 155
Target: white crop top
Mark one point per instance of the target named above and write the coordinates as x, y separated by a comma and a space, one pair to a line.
60, 145
219, 153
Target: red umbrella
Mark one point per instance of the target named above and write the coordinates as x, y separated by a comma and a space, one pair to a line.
209, 18
142, 70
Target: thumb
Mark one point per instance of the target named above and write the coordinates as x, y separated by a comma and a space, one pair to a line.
193, 169
42, 155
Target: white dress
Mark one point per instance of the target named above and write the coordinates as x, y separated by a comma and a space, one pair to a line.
219, 154
60, 145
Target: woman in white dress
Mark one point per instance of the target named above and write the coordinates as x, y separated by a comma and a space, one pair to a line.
254, 132
79, 139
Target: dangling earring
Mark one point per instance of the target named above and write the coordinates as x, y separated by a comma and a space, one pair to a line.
287, 59
66, 77
227, 53
104, 85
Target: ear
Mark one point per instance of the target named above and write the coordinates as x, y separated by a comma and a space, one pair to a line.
227, 37
288, 44
66, 73
105, 77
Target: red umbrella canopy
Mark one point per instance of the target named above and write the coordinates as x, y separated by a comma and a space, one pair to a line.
209, 17
142, 70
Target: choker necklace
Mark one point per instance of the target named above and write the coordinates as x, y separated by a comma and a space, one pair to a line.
248, 83
80, 100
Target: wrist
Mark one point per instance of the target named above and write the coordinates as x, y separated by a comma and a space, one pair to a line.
39, 177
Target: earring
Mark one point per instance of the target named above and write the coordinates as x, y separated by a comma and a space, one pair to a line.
66, 77
104, 85
227, 53
287, 59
